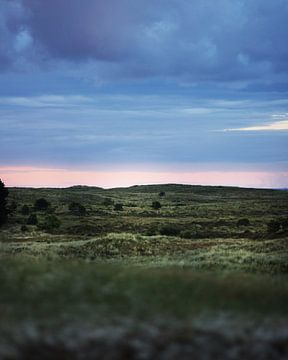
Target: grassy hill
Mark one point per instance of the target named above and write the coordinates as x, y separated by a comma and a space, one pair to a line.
205, 274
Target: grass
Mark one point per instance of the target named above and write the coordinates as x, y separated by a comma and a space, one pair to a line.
169, 267
43, 289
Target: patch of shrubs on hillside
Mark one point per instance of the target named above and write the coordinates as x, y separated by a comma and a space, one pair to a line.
277, 226
243, 222
41, 205
32, 219
118, 207
77, 209
169, 230
49, 224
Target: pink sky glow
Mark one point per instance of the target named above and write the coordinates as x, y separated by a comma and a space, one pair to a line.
49, 177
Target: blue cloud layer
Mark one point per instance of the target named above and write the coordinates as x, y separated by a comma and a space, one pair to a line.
132, 81
190, 41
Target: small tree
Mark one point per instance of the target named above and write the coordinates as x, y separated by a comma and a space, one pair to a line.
3, 203
156, 205
41, 204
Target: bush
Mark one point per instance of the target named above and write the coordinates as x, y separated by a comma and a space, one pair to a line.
156, 205
169, 230
12, 207
162, 193
32, 220
243, 222
187, 234
25, 210
77, 209
118, 207
41, 204
51, 223
273, 226
24, 228
107, 202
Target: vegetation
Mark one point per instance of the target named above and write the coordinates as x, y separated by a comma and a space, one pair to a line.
208, 255
77, 209
41, 204
156, 205
3, 203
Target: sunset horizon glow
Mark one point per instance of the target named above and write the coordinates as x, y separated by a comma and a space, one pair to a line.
60, 178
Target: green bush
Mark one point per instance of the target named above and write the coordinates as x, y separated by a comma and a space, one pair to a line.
169, 230
24, 228
77, 209
25, 210
273, 226
50, 223
108, 202
243, 222
156, 205
32, 220
41, 204
118, 207
187, 234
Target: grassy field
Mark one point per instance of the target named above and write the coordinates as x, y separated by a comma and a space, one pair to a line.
108, 274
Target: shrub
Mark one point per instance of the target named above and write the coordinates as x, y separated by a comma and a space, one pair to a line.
162, 193
156, 205
50, 223
243, 222
118, 207
187, 234
32, 220
77, 209
25, 210
41, 204
107, 202
169, 230
273, 226
3, 203
12, 207
24, 228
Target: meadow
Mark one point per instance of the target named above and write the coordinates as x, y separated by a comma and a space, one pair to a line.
146, 272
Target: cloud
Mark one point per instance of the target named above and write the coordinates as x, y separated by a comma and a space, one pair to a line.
275, 126
203, 40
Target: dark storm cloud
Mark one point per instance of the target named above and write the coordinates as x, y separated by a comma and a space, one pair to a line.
209, 40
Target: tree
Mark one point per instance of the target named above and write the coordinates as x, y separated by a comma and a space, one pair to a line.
3, 203
41, 204
156, 205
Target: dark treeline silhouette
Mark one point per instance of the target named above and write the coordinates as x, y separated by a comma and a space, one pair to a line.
3, 203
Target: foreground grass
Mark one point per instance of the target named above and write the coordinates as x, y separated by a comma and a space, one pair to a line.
34, 289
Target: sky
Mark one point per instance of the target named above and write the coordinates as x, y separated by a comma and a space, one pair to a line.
122, 92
